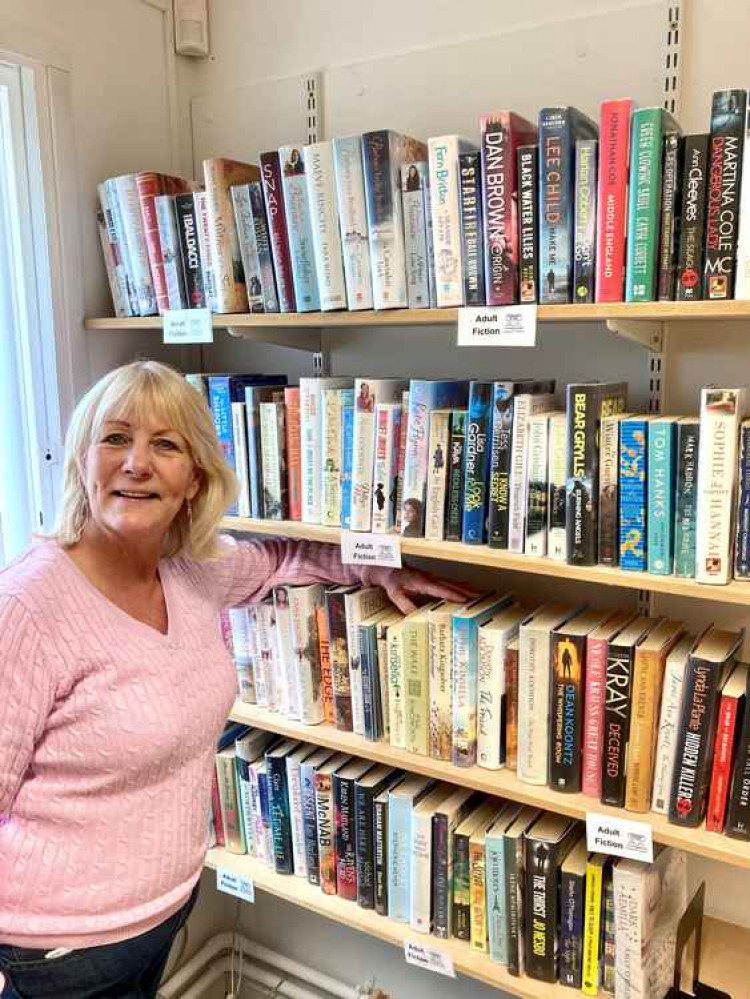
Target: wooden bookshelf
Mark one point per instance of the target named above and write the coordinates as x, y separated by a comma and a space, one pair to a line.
725, 962
503, 783
495, 558
646, 311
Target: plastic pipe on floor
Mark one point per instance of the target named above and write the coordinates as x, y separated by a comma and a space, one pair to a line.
251, 974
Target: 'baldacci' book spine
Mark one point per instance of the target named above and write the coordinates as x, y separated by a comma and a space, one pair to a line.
692, 219
263, 244
723, 195
695, 742
299, 229
633, 461
617, 706
187, 229
476, 465
661, 497
273, 195
454, 502
612, 210
415, 193
687, 447
738, 809
584, 238
324, 220
670, 220
566, 704
350, 191
470, 190
528, 226
742, 539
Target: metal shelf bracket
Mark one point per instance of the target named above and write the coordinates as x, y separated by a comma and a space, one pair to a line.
304, 338
643, 331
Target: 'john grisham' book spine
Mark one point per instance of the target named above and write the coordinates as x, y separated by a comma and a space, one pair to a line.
324, 220
586, 404
612, 211
742, 541
299, 229
689, 285
187, 228
568, 664
350, 190
528, 225
633, 465
273, 195
476, 467
660, 506
584, 243
470, 180
688, 440
670, 220
618, 698
723, 199
454, 502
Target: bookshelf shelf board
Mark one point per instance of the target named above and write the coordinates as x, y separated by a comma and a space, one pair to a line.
503, 783
725, 961
494, 558
631, 311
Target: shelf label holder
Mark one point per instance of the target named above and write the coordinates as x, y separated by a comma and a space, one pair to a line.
429, 958
619, 837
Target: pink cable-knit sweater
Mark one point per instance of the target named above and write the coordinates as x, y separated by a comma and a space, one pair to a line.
107, 735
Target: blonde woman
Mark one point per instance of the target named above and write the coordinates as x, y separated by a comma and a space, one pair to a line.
115, 684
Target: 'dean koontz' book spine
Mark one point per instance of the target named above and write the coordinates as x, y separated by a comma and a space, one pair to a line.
557, 541
476, 465
299, 229
584, 231
689, 283
742, 538
687, 446
612, 209
470, 191
566, 710
633, 466
355, 243
528, 223
263, 244
273, 196
324, 220
721, 410
454, 502
415, 193
670, 219
723, 196
187, 228
661, 498
445, 201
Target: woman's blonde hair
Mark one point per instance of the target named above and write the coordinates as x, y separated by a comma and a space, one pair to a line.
142, 391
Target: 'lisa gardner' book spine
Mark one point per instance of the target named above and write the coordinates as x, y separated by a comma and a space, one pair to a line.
618, 699
566, 701
475, 468
670, 220
273, 195
612, 210
689, 286
470, 193
528, 223
723, 198
742, 539
688, 443
584, 240
633, 463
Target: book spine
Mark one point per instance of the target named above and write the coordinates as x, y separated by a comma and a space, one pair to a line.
331, 448
501, 235
723, 192
310, 824
721, 769
273, 460
454, 503
633, 460
557, 537
244, 802
593, 718
612, 215
258, 832
166, 219
294, 785
692, 219
416, 460
514, 901
380, 836
666, 744
511, 706
347, 458
556, 184
660, 498
742, 263
533, 705
208, 273
737, 822
446, 221
187, 228
365, 847
273, 196
293, 452
396, 691
470, 192
281, 826
643, 207
342, 691
541, 912
135, 238
269, 296
584, 231
367, 666
442, 873
303, 605
321, 194
299, 230
416, 687
437, 473
617, 710
420, 914
264, 792
609, 482
501, 452
742, 533
224, 251
286, 677
363, 457
310, 442
243, 217
465, 666
528, 223
478, 916
537, 486
497, 917
113, 254
234, 840
239, 437
441, 702
324, 815
474, 525
399, 857
350, 192
518, 473
324, 655
254, 453
385, 468
490, 697
415, 192
221, 411
571, 929
461, 916
150, 185
346, 853
639, 767
670, 220
568, 667
592, 934
382, 169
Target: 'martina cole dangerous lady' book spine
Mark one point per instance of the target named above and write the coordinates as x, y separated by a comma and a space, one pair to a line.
723, 198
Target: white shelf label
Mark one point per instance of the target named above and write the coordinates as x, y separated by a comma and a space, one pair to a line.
235, 884
619, 837
497, 326
429, 958
188, 326
358, 548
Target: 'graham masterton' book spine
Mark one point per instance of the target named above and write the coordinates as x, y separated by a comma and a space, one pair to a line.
692, 219
723, 199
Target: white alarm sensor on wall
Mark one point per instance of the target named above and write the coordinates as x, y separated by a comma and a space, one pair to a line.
191, 28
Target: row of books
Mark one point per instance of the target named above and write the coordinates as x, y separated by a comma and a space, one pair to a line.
557, 211
633, 711
494, 462
516, 883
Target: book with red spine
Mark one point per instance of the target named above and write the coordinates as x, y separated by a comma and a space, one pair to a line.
293, 452
612, 208
732, 707
216, 809
273, 195
150, 185
502, 133
326, 676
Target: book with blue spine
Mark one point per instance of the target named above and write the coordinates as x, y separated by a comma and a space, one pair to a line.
742, 542
347, 456
497, 898
476, 463
401, 802
299, 228
278, 801
633, 469
686, 495
369, 666
660, 507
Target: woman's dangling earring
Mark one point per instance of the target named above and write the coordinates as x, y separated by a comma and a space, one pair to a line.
190, 513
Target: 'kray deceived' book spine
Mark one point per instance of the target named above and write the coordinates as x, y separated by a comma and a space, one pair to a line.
723, 197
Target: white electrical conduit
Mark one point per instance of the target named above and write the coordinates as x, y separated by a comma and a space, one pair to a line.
227, 942
251, 975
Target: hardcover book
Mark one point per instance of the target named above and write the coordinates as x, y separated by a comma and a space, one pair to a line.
448, 815
311, 428
307, 770
669, 222
344, 780
324, 224
495, 878
692, 219
445, 199
273, 460
669, 718
299, 229
612, 209
738, 807
326, 824
304, 602
479, 819
350, 192
515, 886
661, 495
470, 195
358, 605
129, 223
584, 216
243, 220
732, 708
402, 800
416, 668
187, 230
273, 196
723, 192
421, 861
366, 791
268, 292
528, 224
440, 637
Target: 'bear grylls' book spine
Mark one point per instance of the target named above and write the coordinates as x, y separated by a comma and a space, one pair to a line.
692, 219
